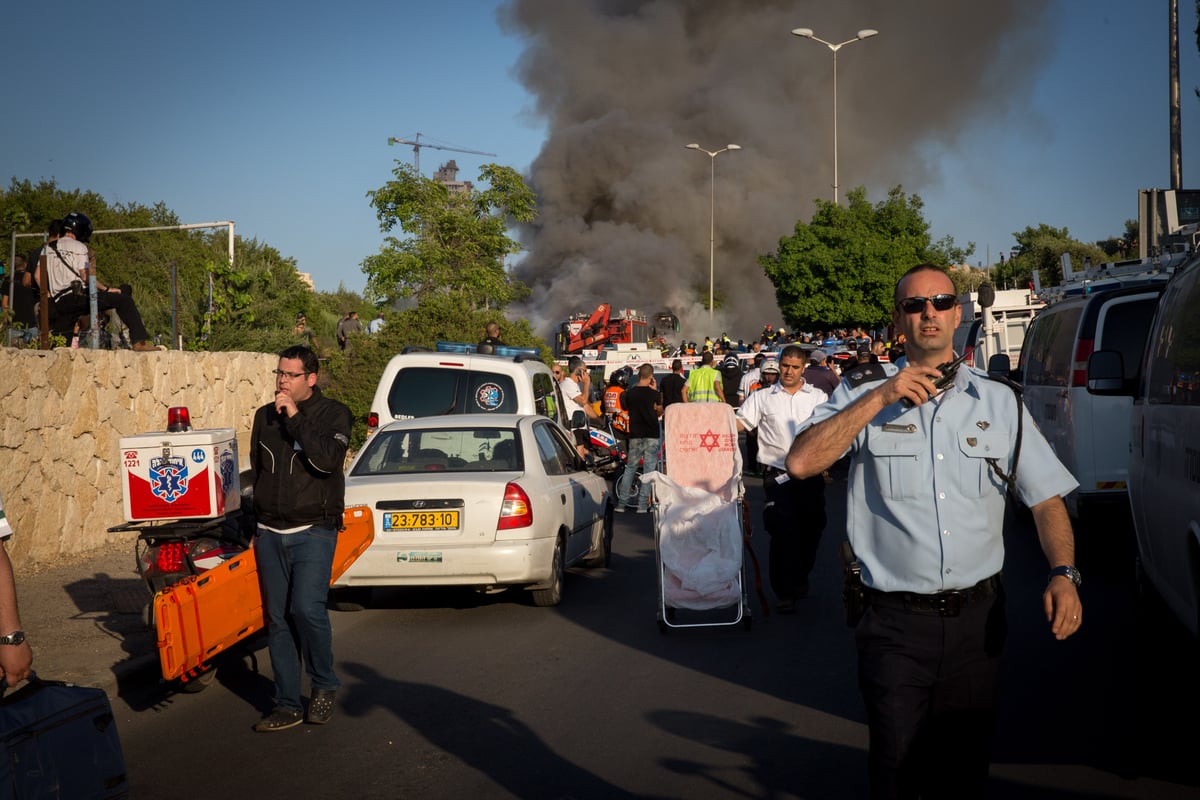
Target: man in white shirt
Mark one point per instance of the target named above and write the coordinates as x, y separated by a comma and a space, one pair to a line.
576, 385
794, 515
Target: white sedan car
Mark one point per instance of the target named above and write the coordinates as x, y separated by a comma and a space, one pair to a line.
481, 500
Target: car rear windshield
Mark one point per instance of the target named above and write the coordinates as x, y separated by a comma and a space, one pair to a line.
437, 391
394, 452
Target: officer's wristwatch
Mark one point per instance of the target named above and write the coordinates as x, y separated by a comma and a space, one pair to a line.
16, 637
1068, 571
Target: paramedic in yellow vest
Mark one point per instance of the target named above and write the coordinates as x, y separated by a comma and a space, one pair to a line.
704, 383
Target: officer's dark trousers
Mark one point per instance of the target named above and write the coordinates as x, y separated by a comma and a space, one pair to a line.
929, 684
794, 518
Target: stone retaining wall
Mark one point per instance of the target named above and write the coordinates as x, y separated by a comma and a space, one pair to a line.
63, 413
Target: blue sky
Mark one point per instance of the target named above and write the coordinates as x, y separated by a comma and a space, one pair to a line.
277, 116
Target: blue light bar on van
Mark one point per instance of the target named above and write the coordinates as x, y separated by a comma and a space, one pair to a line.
501, 349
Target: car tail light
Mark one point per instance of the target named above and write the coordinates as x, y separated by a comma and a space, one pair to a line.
516, 512
372, 423
1079, 366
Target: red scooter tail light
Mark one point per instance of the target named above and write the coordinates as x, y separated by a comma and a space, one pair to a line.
178, 419
171, 557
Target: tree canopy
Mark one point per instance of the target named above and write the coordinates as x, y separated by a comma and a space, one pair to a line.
841, 267
1040, 248
456, 241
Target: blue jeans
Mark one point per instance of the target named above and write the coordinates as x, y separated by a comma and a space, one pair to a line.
294, 570
645, 451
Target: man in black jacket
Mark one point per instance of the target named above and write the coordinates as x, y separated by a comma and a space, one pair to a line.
297, 452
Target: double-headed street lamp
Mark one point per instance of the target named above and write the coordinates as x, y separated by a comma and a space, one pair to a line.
712, 211
807, 33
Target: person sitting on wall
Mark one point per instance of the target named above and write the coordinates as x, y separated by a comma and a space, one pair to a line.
68, 269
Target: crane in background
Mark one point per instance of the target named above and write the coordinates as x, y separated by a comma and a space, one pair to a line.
417, 144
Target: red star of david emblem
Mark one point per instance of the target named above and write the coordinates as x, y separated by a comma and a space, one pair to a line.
710, 441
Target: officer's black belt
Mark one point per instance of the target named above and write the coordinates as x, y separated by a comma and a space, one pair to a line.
943, 604
771, 472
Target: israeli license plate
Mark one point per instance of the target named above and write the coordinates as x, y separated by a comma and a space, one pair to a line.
441, 520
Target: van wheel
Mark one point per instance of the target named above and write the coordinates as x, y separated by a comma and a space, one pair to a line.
552, 594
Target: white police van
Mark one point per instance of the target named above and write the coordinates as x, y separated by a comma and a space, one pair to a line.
1164, 463
1107, 308
455, 379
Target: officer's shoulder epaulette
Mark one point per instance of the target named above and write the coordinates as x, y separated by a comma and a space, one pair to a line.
864, 373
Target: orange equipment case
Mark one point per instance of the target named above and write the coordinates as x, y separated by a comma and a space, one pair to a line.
203, 615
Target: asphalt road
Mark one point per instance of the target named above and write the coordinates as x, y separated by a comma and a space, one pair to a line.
448, 694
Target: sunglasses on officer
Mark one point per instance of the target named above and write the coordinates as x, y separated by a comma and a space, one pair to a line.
915, 305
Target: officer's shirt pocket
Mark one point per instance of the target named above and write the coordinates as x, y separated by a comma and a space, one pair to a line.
976, 475
895, 461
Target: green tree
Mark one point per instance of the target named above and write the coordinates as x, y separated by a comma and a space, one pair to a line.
968, 279
842, 267
456, 242
1040, 249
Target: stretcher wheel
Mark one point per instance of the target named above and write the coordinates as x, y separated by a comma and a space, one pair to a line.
200, 682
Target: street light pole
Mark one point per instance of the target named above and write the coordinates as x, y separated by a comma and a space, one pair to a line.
807, 33
712, 211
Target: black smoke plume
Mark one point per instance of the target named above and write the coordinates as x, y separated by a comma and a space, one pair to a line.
624, 84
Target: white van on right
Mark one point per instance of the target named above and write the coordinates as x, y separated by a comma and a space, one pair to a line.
1088, 432
1164, 468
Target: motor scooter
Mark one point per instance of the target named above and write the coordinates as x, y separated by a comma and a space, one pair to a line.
168, 551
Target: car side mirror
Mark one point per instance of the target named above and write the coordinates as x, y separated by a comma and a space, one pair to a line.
579, 420
1106, 373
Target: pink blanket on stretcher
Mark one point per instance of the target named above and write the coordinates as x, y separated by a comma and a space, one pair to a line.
701, 447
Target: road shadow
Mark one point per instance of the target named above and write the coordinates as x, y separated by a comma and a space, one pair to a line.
116, 610
142, 687
781, 760
488, 738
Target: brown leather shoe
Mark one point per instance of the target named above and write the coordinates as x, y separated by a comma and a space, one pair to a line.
144, 347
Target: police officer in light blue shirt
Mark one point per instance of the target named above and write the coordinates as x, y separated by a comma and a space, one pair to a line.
931, 466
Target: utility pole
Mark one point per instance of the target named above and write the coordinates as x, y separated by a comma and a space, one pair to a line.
1176, 125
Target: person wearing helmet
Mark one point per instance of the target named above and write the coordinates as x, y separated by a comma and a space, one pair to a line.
751, 380
618, 417
69, 265
731, 378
